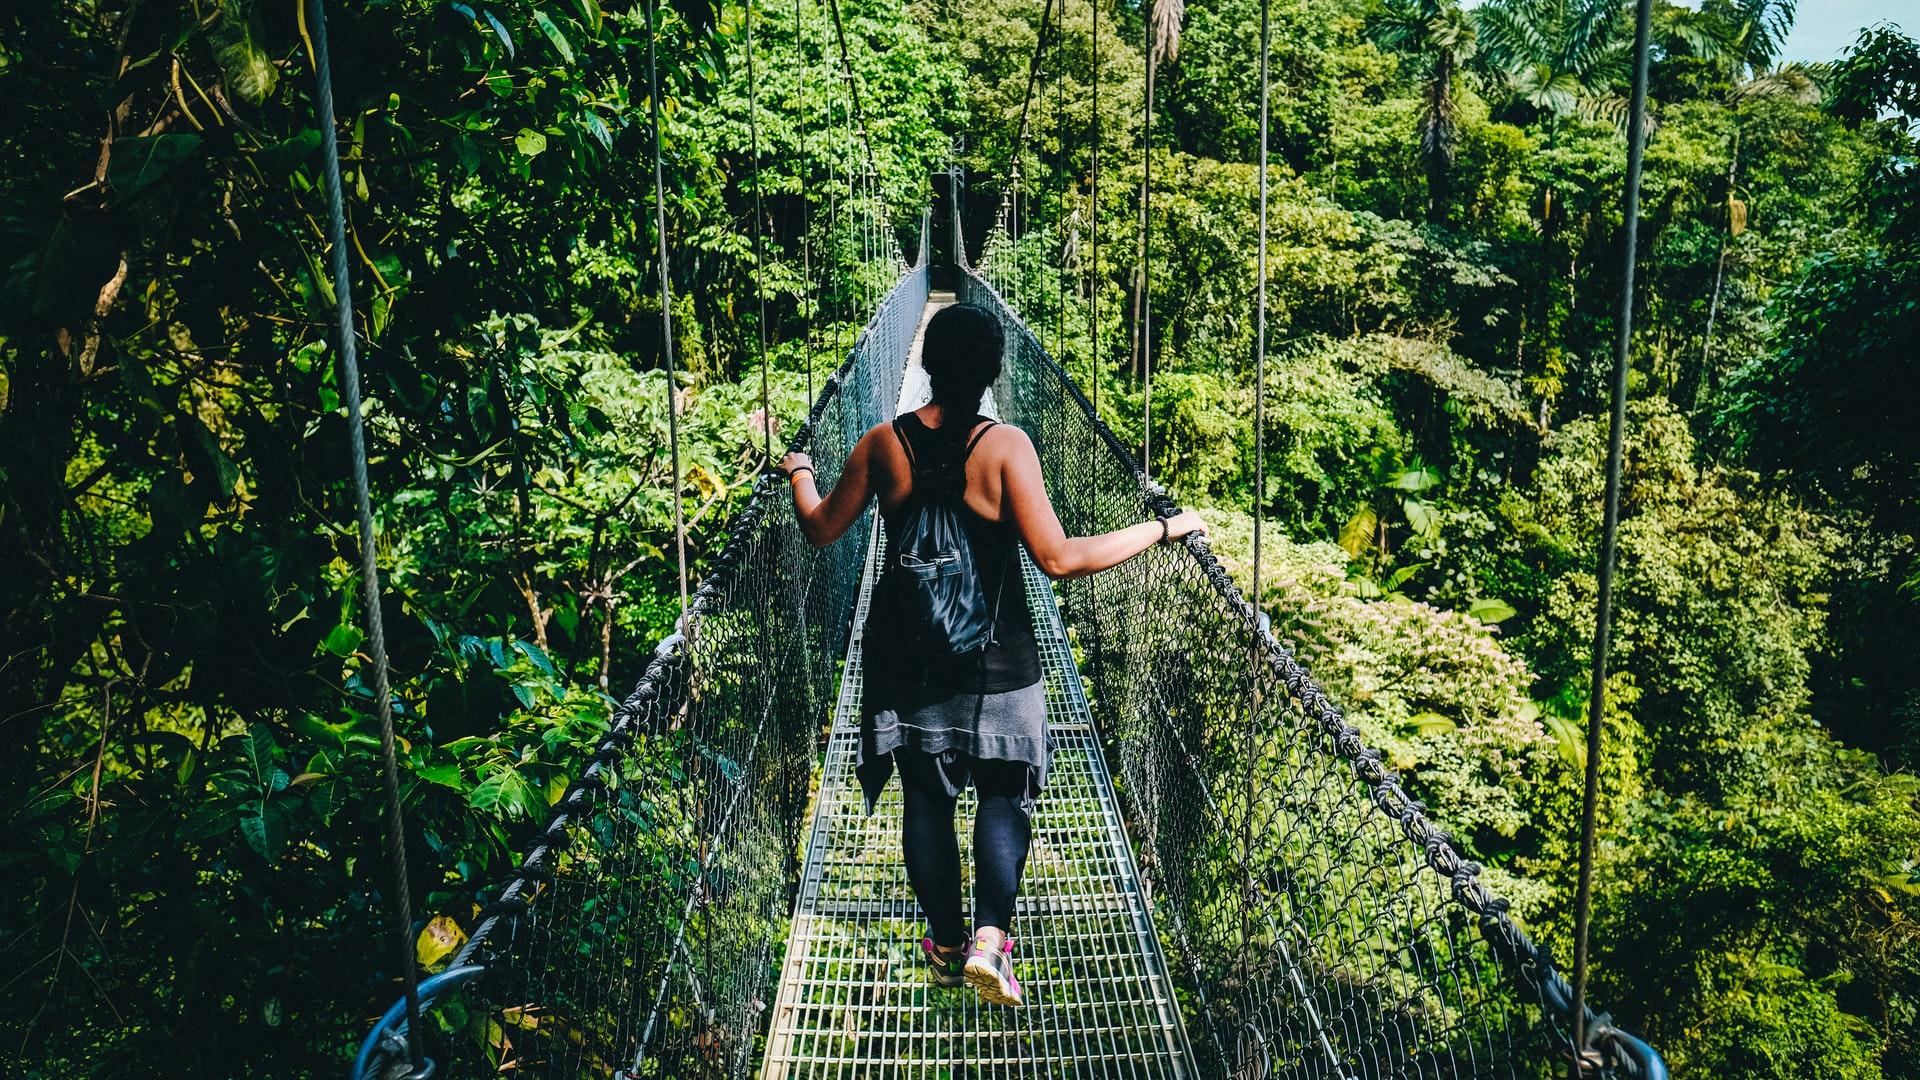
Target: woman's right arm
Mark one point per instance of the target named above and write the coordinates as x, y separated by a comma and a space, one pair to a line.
1061, 556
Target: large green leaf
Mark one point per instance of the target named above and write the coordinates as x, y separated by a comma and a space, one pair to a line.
264, 828
552, 30
139, 163
249, 68
1489, 610
506, 793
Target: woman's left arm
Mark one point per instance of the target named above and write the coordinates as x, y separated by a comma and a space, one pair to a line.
824, 520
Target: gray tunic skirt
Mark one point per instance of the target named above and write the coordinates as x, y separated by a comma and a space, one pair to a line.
952, 730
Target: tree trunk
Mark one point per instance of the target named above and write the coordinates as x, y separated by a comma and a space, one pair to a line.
1438, 137
1705, 374
606, 640
1142, 318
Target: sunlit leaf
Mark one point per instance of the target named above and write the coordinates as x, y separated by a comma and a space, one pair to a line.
1491, 611
558, 39
438, 941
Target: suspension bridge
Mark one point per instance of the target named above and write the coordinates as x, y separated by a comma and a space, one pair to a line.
1226, 881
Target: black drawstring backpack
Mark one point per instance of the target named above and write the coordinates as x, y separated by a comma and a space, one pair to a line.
931, 596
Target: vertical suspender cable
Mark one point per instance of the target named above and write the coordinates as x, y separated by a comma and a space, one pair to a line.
1020, 133
1260, 318
809, 296
759, 241
829, 332
1145, 295
1060, 140
1610, 532
1259, 476
1093, 219
363, 504
666, 299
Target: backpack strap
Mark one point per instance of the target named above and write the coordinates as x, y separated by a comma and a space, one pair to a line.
977, 436
906, 444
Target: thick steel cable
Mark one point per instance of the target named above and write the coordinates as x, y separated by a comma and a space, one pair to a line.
759, 241
830, 331
1093, 218
363, 506
1145, 320
1610, 531
1060, 140
666, 296
1259, 474
1260, 314
809, 295
1033, 75
859, 114
1011, 199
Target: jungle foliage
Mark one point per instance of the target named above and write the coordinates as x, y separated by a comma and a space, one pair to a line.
194, 878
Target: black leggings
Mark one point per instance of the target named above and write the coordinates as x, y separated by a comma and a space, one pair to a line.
1001, 834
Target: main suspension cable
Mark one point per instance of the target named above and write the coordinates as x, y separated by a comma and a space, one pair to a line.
1610, 530
666, 299
347, 343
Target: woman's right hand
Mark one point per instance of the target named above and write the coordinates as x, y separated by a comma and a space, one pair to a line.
1184, 523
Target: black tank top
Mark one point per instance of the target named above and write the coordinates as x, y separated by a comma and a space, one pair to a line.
1012, 660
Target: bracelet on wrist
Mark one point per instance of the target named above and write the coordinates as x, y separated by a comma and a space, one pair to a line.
1164, 530
792, 473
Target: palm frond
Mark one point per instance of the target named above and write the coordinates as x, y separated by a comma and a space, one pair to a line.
1451, 29
1591, 39
1168, 18
1766, 24
1704, 34
1793, 82
1510, 34
1613, 109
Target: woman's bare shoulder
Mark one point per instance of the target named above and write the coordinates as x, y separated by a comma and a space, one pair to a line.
1005, 441
1009, 434
879, 437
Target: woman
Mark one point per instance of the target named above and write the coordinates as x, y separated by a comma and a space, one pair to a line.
981, 720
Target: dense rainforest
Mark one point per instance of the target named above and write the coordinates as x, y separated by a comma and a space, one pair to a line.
193, 873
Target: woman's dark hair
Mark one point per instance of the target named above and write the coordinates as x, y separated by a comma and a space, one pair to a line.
962, 354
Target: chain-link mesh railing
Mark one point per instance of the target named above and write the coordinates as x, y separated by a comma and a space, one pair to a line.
1319, 923
638, 934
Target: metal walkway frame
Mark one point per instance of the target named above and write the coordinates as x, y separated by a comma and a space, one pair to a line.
855, 998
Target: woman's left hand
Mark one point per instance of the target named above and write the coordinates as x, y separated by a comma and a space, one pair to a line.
795, 460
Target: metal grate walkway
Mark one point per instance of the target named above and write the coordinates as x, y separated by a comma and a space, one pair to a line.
854, 997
